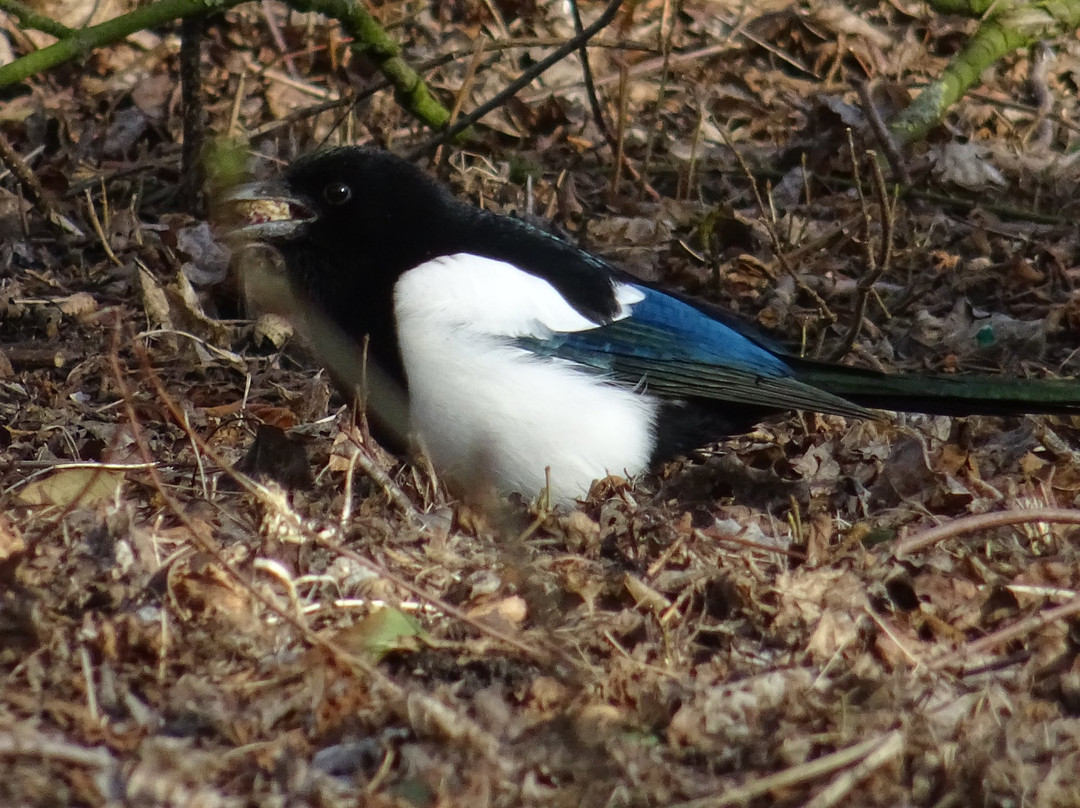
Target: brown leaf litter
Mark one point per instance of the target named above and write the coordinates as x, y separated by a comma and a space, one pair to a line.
818, 613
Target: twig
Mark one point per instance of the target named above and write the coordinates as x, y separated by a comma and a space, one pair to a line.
233, 359
21, 742
462, 93
372, 42
95, 222
347, 492
620, 129
361, 458
81, 42
369, 38
88, 682
1042, 131
546, 656
819, 767
1026, 626
233, 129
888, 632
30, 19
467, 81
768, 218
587, 75
891, 746
191, 169
640, 69
497, 16
746, 31
1005, 103
1012, 26
29, 182
882, 133
1054, 442
983, 521
878, 264
952, 202
424, 67
521, 81
306, 87
710, 535
279, 40
666, 30
695, 144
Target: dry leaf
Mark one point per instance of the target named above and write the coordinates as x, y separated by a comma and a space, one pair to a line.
82, 486
966, 165
11, 540
77, 304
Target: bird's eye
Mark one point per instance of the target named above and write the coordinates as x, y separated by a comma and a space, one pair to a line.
337, 193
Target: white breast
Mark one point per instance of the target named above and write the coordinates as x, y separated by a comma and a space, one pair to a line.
488, 412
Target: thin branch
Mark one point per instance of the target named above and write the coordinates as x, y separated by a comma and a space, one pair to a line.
31, 185
983, 521
587, 75
1014, 26
870, 749
882, 133
19, 741
31, 20
1023, 628
369, 38
523, 80
949, 201
666, 31
768, 219
371, 41
838, 791
619, 146
361, 457
80, 43
878, 264
279, 40
1042, 130
191, 36
426, 67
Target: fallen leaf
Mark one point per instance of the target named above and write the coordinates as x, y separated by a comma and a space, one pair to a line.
513, 609
381, 632
77, 304
84, 486
966, 165
11, 540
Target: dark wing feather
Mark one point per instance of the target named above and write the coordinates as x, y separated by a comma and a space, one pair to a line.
661, 362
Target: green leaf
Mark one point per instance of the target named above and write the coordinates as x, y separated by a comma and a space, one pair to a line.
381, 632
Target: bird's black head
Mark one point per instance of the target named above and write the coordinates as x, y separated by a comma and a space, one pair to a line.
351, 202
347, 223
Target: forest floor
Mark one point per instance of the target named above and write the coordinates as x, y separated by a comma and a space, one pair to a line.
767, 623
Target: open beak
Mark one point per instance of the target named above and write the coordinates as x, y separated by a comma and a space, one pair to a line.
263, 211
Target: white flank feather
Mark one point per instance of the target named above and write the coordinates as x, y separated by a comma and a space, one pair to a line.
486, 411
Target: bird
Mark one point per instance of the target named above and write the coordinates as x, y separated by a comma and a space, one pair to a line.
529, 365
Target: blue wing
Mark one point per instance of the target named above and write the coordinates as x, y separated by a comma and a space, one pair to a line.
672, 349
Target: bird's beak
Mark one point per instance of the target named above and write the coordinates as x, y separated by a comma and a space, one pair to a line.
263, 211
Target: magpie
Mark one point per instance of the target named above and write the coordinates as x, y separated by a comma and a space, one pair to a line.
526, 362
